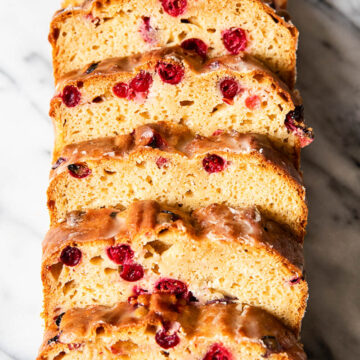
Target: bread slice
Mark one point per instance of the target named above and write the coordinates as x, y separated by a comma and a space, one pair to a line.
275, 4
105, 256
159, 327
233, 92
166, 163
101, 29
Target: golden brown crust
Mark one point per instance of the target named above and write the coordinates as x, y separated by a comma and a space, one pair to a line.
233, 322
276, 11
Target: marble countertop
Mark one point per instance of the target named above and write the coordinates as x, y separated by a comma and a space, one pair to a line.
329, 78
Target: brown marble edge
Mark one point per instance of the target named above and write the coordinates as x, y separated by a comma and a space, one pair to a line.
176, 139
215, 223
235, 321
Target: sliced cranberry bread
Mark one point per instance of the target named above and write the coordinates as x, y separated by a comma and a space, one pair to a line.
161, 327
102, 29
107, 256
275, 4
167, 163
233, 92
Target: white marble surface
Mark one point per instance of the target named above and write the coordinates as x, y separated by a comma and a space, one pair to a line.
329, 77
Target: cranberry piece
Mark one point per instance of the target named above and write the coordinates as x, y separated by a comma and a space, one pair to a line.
70, 256
59, 161
70, 96
141, 82
294, 122
121, 90
218, 352
147, 32
252, 102
161, 161
166, 340
296, 280
132, 272
74, 346
79, 171
297, 114
229, 88
120, 254
174, 7
213, 163
170, 73
234, 40
156, 141
195, 45
172, 286
218, 132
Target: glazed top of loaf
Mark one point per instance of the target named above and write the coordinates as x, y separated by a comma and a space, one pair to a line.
240, 63
215, 222
175, 139
276, 7
236, 322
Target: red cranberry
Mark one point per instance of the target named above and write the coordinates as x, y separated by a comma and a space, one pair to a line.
296, 280
166, 340
161, 161
213, 163
120, 254
297, 114
234, 40
141, 82
70, 96
252, 102
156, 141
121, 90
70, 256
172, 286
294, 122
132, 272
79, 171
217, 132
229, 88
59, 161
74, 346
147, 31
195, 45
174, 7
218, 352
170, 73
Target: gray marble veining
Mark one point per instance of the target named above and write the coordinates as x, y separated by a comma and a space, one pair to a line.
329, 79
